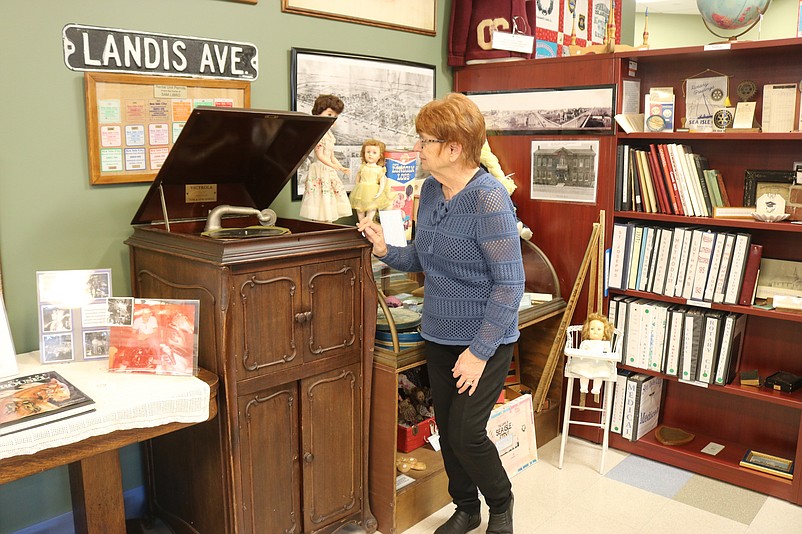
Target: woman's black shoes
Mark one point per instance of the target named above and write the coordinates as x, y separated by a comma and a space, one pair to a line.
501, 523
460, 523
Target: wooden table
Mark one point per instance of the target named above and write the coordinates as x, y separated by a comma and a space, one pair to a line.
94, 468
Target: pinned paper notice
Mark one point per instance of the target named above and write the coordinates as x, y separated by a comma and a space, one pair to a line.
392, 222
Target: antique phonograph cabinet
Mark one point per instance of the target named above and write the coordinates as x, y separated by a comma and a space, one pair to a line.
287, 322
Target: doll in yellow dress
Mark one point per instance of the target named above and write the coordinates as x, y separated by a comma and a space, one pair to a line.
325, 198
372, 192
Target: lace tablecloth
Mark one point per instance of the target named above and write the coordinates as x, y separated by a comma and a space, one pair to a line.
123, 401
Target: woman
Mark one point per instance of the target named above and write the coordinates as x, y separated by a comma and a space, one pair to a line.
325, 198
467, 246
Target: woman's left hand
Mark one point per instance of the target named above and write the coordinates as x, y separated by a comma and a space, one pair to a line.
468, 370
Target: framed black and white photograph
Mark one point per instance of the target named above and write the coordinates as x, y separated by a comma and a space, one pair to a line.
96, 344
758, 182
565, 170
381, 96
569, 110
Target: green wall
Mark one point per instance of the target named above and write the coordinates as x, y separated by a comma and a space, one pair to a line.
51, 218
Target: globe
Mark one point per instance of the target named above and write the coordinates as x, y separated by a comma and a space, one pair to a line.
731, 14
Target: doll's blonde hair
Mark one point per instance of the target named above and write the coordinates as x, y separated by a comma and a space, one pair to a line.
374, 142
608, 326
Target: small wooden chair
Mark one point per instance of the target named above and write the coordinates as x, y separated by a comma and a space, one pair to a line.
573, 338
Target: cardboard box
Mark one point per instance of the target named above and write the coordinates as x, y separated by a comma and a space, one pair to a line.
512, 428
410, 438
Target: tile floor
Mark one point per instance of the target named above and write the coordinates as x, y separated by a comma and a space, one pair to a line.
635, 496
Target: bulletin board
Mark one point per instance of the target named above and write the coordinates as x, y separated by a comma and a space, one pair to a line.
132, 121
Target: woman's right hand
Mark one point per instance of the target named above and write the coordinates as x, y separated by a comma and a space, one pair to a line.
373, 231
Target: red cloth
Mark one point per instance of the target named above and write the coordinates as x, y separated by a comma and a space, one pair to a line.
473, 21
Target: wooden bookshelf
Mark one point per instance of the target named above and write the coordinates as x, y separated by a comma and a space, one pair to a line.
740, 418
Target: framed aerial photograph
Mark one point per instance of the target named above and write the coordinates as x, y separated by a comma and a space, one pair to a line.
768, 464
565, 170
382, 98
569, 110
758, 182
417, 16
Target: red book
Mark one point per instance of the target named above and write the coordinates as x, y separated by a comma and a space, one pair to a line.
724, 197
676, 199
751, 270
659, 182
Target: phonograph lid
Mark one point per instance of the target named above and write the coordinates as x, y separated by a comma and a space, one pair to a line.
240, 157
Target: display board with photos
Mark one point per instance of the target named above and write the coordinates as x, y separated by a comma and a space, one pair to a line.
133, 120
73, 314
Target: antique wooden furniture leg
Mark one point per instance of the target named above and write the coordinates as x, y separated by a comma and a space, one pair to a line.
97, 499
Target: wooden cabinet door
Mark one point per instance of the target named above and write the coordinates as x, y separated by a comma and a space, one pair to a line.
265, 311
269, 461
331, 446
331, 309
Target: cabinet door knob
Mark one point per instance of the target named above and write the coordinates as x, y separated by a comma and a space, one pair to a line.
309, 457
302, 317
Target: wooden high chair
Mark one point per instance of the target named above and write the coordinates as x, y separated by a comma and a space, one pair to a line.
574, 356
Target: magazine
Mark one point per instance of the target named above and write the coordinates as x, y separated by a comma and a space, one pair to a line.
37, 399
161, 339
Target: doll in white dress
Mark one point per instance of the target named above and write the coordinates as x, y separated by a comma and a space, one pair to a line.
325, 198
597, 334
372, 192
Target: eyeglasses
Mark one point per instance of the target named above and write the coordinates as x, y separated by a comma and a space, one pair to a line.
423, 142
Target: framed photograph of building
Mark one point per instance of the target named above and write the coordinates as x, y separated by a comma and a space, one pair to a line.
569, 110
417, 16
565, 170
381, 96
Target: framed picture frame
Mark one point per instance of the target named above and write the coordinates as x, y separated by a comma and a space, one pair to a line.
758, 182
767, 463
382, 97
564, 110
564, 170
132, 120
417, 16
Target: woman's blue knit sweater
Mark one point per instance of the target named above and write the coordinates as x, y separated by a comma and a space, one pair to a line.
470, 253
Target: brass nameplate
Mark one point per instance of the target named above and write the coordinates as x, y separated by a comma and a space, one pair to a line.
200, 193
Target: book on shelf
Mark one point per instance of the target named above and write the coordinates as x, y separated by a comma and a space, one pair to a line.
676, 323
617, 413
711, 338
657, 337
645, 258
635, 254
732, 339
647, 191
38, 399
693, 259
724, 268
630, 122
632, 329
691, 341
637, 193
619, 256
751, 270
683, 183
668, 172
735, 277
641, 405
689, 174
715, 267
661, 183
619, 201
725, 198
662, 259
733, 212
700, 165
677, 244
712, 186
647, 406
703, 261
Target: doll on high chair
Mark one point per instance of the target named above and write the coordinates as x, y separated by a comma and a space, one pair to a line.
597, 334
